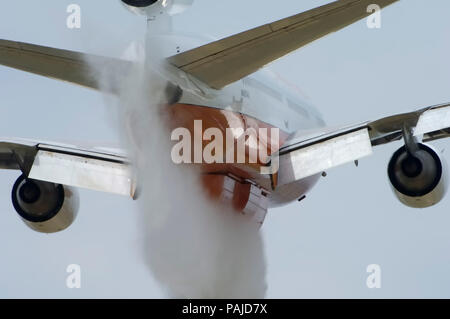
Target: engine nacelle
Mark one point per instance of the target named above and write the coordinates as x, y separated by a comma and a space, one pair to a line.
418, 180
139, 3
150, 7
45, 207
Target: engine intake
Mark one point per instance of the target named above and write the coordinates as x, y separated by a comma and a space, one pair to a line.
44, 207
418, 179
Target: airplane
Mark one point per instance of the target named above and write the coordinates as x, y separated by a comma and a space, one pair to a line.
225, 84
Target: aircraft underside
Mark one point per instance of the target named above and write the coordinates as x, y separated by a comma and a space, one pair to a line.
238, 185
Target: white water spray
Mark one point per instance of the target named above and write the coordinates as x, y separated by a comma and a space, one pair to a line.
194, 247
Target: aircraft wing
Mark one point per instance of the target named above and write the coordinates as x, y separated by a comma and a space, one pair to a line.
217, 64
310, 153
70, 66
101, 169
304, 154
228, 60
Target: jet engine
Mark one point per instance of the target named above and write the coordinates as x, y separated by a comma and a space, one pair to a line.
45, 207
139, 3
418, 177
149, 7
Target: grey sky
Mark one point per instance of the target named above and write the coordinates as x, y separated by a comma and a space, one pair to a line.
317, 248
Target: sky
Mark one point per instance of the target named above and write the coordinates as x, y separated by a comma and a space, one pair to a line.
318, 248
